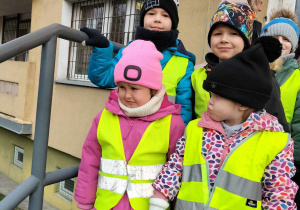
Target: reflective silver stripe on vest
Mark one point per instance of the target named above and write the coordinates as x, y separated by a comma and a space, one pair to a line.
116, 167
112, 184
172, 99
192, 173
237, 185
144, 190
144, 172
184, 205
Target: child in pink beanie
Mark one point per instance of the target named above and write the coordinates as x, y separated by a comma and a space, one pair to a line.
132, 138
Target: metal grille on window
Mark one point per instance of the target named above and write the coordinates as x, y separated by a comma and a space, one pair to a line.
66, 189
14, 27
18, 156
115, 19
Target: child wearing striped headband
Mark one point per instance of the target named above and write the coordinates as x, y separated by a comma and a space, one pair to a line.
283, 26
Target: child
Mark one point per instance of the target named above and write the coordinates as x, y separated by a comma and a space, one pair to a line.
158, 23
233, 33
283, 26
130, 140
237, 155
230, 33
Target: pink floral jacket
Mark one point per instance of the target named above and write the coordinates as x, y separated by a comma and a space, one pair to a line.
278, 190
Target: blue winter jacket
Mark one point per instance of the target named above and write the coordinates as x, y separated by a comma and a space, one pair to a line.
102, 65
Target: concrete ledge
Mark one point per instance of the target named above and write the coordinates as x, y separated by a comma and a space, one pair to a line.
15, 125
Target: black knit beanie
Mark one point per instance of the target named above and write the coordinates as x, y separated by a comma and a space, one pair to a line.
246, 77
168, 5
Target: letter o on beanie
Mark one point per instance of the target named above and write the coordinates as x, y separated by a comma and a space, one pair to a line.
140, 65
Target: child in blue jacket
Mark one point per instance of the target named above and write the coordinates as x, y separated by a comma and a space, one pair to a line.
158, 23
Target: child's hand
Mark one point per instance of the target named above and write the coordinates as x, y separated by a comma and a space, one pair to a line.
158, 204
95, 38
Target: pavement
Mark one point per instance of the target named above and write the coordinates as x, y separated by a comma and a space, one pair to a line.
7, 185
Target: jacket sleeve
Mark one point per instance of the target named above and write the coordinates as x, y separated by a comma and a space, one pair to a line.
279, 190
295, 127
184, 94
102, 65
168, 181
85, 191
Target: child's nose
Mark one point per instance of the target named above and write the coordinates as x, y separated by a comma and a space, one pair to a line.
224, 38
127, 94
157, 17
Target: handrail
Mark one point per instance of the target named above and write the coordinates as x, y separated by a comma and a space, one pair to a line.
41, 36
34, 185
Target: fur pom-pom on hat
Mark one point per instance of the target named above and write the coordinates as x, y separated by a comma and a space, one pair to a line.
282, 24
271, 46
284, 13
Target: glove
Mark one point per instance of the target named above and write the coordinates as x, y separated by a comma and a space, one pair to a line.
158, 204
95, 38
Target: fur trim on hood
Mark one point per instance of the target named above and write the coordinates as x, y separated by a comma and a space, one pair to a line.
284, 13
277, 64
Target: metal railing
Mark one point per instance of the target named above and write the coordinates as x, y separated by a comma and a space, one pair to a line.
34, 185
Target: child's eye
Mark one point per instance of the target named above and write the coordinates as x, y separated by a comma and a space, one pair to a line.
150, 13
165, 15
217, 34
121, 87
234, 33
133, 88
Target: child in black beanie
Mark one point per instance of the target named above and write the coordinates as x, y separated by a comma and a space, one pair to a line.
237, 156
158, 23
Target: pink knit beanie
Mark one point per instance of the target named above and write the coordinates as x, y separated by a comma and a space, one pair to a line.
140, 64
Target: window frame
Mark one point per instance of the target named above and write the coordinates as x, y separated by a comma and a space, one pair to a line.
131, 11
64, 192
18, 150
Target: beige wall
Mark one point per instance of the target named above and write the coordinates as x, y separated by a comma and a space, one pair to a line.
55, 160
21, 73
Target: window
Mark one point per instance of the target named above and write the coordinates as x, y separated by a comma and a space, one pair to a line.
115, 19
14, 27
66, 189
18, 156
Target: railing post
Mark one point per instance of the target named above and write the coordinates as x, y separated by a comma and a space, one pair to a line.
40, 144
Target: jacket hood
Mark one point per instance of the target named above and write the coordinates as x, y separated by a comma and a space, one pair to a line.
165, 109
260, 121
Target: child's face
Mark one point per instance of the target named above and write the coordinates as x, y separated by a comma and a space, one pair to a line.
157, 19
222, 109
286, 45
133, 96
226, 42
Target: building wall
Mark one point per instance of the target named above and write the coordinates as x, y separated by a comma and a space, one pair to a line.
55, 160
16, 85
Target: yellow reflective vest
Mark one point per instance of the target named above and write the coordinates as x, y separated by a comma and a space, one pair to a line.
201, 96
289, 91
116, 176
172, 74
238, 184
